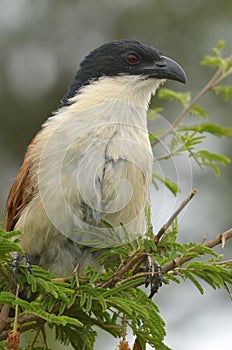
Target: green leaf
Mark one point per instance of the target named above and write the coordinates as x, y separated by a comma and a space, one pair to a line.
71, 300
225, 91
212, 128
76, 336
94, 276
170, 276
198, 111
7, 246
219, 47
123, 286
63, 306
48, 287
121, 304
213, 274
35, 309
181, 97
7, 298
167, 182
149, 245
171, 234
88, 302
10, 234
71, 320
193, 279
212, 61
83, 299
218, 157
50, 305
211, 159
182, 143
189, 142
217, 60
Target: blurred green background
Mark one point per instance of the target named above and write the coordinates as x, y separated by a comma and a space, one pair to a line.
42, 43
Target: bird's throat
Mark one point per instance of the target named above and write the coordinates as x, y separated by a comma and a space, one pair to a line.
134, 90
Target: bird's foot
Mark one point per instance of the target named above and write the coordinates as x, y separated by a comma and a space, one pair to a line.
27, 259
154, 276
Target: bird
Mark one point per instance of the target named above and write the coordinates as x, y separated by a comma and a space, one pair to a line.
86, 174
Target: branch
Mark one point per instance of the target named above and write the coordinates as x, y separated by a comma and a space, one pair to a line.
221, 238
127, 266
174, 215
172, 264
5, 321
136, 261
37, 322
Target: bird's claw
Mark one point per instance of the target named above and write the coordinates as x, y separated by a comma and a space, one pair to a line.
154, 276
17, 258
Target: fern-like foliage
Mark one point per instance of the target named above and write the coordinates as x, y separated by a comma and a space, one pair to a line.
103, 300
188, 131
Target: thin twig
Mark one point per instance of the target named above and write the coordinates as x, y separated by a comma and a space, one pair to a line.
34, 340
221, 238
175, 214
165, 157
38, 323
131, 278
124, 268
44, 337
225, 262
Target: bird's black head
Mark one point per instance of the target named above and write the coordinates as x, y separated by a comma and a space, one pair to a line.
124, 57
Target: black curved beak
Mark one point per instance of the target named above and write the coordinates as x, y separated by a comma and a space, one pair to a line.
166, 68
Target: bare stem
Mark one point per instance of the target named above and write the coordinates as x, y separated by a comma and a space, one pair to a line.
221, 238
138, 259
175, 214
34, 339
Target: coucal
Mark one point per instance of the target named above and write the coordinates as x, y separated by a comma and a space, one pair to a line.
85, 176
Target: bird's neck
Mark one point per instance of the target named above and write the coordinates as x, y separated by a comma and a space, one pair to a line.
107, 102
133, 90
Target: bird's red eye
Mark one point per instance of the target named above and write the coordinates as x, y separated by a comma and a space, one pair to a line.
132, 58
